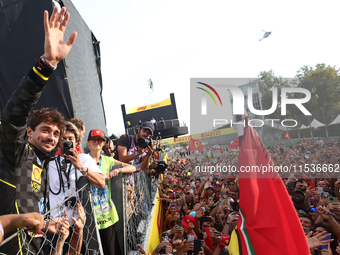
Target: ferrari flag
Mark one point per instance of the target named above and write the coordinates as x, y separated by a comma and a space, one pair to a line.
268, 222
287, 136
195, 145
234, 144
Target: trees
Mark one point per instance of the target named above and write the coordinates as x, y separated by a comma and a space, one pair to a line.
267, 80
323, 82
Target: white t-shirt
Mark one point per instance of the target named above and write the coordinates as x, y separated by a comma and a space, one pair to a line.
54, 180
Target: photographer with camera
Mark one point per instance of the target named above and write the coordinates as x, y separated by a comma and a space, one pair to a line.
132, 149
65, 171
135, 150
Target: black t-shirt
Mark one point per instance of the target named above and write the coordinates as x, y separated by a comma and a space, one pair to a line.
125, 141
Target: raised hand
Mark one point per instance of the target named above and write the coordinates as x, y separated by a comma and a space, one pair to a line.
55, 47
317, 240
80, 222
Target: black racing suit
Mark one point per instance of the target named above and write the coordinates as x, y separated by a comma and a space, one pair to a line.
23, 173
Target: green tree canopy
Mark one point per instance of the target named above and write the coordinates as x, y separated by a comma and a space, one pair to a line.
323, 82
267, 80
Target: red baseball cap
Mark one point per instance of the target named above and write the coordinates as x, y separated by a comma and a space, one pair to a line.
187, 219
96, 133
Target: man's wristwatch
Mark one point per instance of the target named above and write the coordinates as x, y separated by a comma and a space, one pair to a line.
82, 169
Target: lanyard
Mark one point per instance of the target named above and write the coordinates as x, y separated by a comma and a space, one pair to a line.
63, 169
99, 162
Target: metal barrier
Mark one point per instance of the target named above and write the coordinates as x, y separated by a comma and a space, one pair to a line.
46, 243
138, 201
131, 229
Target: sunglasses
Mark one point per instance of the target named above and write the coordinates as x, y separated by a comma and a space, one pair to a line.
312, 209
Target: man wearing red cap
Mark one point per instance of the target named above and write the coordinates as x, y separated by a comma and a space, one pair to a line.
189, 223
104, 207
218, 187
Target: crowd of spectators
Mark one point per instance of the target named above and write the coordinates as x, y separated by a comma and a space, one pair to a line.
205, 204
199, 210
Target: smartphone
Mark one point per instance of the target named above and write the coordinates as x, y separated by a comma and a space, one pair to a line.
183, 195
205, 219
221, 202
191, 237
333, 200
310, 185
324, 195
291, 185
197, 246
319, 189
179, 223
66, 149
322, 247
291, 175
203, 208
165, 237
307, 230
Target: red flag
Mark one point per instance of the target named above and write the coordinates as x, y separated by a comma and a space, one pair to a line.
287, 136
234, 144
268, 222
195, 145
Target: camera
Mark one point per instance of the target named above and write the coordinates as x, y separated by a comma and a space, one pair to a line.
66, 149
71, 202
143, 142
161, 166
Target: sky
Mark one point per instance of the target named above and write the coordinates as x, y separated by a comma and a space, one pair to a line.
173, 41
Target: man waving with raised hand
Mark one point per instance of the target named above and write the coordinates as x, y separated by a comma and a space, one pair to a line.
27, 141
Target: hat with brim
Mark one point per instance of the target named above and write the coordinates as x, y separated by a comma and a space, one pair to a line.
210, 187
299, 191
187, 219
96, 133
148, 125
